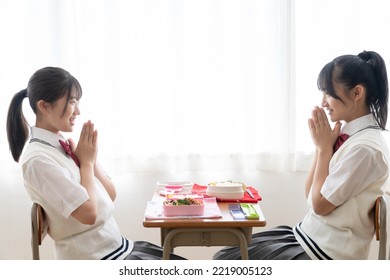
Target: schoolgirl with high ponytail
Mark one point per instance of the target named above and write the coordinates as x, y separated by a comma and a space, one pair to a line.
367, 69
349, 172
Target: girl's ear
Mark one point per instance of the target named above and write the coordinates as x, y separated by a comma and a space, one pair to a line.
358, 93
43, 107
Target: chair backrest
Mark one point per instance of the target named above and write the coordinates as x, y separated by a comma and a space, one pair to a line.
380, 218
39, 228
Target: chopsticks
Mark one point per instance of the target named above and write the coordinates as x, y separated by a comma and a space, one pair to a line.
248, 191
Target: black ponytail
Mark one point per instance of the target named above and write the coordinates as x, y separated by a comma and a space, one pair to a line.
17, 126
378, 97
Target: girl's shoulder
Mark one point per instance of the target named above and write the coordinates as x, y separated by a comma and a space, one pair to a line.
43, 152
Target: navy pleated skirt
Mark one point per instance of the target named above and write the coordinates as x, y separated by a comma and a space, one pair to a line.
276, 244
147, 251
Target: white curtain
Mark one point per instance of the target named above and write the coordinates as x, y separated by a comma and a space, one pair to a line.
190, 85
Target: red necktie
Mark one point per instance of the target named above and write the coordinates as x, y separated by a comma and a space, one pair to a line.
69, 152
340, 141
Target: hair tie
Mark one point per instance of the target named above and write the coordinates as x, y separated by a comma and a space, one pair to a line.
23, 92
366, 56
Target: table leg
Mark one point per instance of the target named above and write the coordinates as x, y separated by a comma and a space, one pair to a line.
167, 237
167, 243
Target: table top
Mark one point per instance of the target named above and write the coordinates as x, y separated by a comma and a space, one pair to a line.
225, 221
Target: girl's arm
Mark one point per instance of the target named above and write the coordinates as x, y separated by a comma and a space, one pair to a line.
87, 212
310, 175
324, 138
320, 204
86, 153
105, 180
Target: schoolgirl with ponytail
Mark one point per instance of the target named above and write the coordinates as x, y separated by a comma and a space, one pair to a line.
349, 172
64, 177
47, 85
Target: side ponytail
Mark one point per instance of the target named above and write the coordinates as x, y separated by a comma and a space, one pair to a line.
17, 126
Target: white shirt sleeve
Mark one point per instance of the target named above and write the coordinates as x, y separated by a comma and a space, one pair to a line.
54, 184
361, 167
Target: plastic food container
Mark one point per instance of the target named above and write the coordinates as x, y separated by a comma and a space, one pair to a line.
226, 190
184, 210
176, 187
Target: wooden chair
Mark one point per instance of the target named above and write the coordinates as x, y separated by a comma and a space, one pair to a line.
380, 211
39, 228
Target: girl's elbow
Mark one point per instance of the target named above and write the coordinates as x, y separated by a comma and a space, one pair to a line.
89, 219
323, 208
319, 211
85, 215
113, 196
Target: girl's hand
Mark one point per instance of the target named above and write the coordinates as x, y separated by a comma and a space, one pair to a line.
324, 137
87, 147
86, 152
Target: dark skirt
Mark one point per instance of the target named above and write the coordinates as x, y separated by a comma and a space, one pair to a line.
276, 244
147, 251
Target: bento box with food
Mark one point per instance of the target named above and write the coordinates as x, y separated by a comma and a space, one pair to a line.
183, 207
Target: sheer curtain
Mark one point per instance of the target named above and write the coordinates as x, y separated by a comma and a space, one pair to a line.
324, 30
179, 86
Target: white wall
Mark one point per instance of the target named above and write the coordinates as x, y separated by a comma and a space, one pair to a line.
283, 203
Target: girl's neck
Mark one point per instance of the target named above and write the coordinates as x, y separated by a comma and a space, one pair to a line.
47, 126
358, 113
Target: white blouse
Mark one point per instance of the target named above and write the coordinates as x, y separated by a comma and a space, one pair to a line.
52, 179
358, 169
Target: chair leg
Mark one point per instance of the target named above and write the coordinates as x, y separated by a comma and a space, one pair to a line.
34, 232
382, 220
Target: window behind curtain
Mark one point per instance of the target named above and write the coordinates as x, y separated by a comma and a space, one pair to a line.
189, 85
324, 30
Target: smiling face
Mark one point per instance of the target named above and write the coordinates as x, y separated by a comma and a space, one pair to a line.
335, 107
344, 83
59, 116
349, 105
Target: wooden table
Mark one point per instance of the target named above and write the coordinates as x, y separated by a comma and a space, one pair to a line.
224, 231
